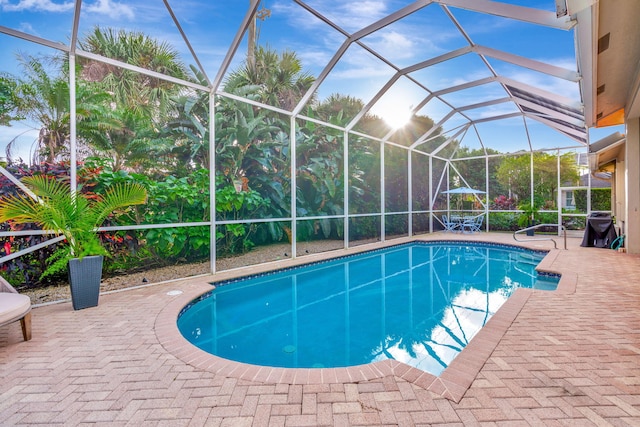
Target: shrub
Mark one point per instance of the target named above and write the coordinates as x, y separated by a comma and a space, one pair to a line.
503, 203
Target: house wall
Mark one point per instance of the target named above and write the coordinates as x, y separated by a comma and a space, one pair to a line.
632, 185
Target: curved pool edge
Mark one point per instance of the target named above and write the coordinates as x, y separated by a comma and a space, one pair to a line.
452, 383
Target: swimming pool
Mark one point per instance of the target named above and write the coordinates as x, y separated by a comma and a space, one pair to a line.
417, 303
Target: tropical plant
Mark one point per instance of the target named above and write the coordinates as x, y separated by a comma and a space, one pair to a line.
278, 78
29, 267
133, 90
529, 213
131, 141
252, 148
503, 203
57, 209
189, 128
44, 92
320, 179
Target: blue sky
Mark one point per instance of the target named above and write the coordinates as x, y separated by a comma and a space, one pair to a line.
211, 27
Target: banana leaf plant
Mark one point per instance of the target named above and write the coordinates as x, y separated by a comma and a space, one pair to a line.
76, 216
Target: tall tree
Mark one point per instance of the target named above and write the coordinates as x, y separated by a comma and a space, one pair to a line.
10, 101
45, 100
515, 173
276, 79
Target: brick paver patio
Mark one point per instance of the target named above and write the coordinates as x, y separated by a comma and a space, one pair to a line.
559, 358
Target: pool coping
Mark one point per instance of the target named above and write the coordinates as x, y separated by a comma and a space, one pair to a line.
452, 383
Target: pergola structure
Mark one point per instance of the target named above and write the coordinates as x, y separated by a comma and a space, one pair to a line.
493, 76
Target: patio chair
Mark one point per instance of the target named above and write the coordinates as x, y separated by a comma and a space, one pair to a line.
449, 225
14, 306
472, 224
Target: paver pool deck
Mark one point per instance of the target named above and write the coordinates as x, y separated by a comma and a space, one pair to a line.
569, 357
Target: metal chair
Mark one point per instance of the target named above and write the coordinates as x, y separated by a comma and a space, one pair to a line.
472, 224
449, 225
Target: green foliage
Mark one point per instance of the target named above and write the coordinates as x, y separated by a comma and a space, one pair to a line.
320, 180
232, 204
275, 78
515, 171
601, 199
43, 90
153, 133
364, 176
139, 93
503, 221
185, 200
529, 213
10, 101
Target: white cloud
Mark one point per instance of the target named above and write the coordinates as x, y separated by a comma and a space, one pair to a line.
362, 72
110, 8
359, 14
102, 7
28, 28
36, 5
314, 58
567, 63
349, 15
393, 45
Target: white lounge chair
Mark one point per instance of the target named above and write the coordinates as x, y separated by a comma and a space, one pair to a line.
13, 307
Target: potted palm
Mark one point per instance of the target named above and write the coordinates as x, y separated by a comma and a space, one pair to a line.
57, 209
528, 216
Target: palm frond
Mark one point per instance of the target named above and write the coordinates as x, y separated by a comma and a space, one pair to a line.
117, 197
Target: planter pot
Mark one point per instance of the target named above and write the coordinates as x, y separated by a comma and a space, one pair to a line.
531, 232
84, 277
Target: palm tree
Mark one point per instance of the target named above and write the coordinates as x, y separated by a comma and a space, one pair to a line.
278, 79
131, 89
45, 100
129, 138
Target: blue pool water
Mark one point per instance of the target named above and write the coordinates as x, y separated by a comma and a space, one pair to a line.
419, 303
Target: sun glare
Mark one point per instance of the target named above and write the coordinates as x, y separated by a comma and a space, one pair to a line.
396, 118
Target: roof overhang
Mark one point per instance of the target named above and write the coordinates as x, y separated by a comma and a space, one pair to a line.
609, 58
604, 152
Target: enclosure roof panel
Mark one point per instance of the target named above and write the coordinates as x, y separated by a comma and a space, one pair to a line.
461, 62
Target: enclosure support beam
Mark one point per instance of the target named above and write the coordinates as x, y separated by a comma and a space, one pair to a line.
532, 199
488, 193
345, 184
559, 194
382, 195
410, 189
212, 183
431, 194
294, 186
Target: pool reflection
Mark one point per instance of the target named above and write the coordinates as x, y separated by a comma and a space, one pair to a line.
420, 304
